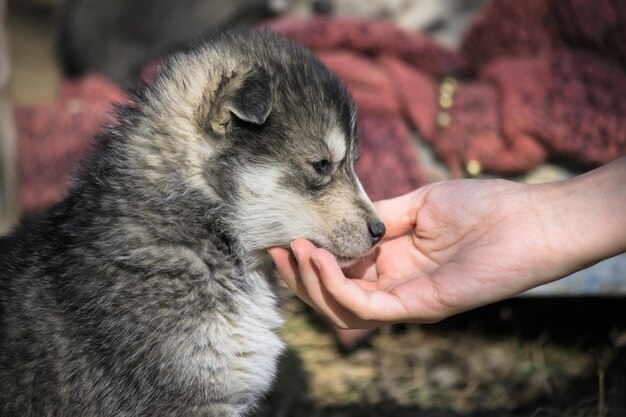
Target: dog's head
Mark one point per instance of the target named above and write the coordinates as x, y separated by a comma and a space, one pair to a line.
283, 140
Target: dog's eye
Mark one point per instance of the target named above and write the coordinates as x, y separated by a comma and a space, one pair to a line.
322, 167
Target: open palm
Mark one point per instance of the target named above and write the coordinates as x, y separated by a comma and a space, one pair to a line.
450, 247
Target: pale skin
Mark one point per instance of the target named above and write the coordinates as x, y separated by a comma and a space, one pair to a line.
457, 245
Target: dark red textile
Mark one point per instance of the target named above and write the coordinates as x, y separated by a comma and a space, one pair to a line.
558, 86
572, 102
370, 39
538, 27
542, 79
53, 137
512, 28
474, 134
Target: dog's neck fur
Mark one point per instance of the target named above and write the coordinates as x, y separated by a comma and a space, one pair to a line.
174, 208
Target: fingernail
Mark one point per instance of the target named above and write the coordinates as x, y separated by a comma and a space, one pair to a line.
295, 254
316, 262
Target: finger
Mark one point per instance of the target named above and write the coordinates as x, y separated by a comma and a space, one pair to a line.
287, 267
307, 280
360, 298
364, 268
398, 214
319, 297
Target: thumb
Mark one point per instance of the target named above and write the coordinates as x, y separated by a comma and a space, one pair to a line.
398, 214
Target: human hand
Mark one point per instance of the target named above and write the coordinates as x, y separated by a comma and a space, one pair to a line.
450, 247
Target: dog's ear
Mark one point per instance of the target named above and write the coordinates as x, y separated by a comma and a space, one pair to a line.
245, 96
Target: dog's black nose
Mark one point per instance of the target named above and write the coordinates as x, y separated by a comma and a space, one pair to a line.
377, 231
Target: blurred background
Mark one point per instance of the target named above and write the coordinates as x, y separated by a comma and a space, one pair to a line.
532, 91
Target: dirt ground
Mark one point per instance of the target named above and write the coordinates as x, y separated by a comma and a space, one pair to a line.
524, 357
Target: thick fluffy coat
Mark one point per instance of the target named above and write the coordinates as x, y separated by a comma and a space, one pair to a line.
147, 290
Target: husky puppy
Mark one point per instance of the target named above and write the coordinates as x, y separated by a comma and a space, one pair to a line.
147, 290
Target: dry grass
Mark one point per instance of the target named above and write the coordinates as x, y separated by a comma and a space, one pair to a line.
454, 372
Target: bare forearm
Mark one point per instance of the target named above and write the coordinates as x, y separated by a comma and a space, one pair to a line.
584, 218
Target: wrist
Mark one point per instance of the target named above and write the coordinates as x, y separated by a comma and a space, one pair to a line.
583, 219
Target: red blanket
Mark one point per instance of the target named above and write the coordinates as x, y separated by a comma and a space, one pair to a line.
54, 137
535, 79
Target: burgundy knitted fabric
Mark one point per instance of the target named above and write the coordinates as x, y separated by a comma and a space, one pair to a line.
371, 39
598, 25
548, 98
53, 137
512, 28
537, 27
475, 134
548, 80
572, 102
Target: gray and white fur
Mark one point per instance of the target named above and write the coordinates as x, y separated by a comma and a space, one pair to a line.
147, 290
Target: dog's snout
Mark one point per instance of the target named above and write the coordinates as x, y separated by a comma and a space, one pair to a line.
377, 231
